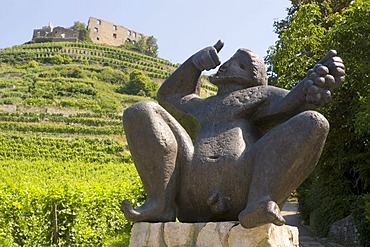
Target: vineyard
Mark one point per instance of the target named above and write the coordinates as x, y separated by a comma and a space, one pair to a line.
62, 179
88, 53
64, 161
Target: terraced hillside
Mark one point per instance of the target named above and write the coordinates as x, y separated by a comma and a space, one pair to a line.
64, 164
93, 54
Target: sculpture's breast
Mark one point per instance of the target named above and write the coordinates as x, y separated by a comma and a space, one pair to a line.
226, 140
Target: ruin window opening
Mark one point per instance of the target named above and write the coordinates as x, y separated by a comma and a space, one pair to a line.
115, 35
96, 29
129, 33
97, 38
134, 34
98, 22
114, 27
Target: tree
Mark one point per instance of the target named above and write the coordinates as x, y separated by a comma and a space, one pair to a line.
84, 33
340, 185
145, 45
140, 84
141, 45
152, 46
299, 46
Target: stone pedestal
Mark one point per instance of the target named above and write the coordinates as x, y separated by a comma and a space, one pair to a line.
213, 234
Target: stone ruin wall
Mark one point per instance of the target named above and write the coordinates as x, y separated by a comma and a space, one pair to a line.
56, 34
104, 32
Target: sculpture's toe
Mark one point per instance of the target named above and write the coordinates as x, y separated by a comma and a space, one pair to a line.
274, 214
129, 212
150, 211
260, 215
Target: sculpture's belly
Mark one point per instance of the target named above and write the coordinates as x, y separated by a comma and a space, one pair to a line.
213, 189
215, 185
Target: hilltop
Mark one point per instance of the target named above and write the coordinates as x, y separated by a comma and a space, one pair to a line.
55, 74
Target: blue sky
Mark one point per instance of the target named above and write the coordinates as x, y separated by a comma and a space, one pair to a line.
181, 27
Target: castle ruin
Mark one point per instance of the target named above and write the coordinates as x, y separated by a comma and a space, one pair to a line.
55, 34
104, 32
101, 32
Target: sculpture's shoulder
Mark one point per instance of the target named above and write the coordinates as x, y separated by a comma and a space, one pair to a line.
258, 90
255, 94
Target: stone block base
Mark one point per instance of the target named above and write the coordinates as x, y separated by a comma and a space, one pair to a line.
213, 234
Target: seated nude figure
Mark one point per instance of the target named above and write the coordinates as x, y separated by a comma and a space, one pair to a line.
255, 143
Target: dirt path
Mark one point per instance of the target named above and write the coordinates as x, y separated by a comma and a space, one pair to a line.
306, 237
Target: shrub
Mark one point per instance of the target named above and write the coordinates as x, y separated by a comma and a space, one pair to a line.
112, 76
33, 64
58, 59
140, 84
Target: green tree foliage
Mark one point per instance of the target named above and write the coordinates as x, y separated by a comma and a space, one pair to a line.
327, 8
152, 46
340, 185
84, 33
140, 84
298, 48
145, 45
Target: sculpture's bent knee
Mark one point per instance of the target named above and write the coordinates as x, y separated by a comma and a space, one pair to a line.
315, 122
138, 110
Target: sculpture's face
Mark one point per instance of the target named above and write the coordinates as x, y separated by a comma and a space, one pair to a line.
239, 69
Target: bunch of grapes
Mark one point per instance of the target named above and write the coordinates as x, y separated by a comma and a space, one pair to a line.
319, 84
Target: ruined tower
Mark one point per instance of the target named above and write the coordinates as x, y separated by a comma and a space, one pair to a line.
104, 32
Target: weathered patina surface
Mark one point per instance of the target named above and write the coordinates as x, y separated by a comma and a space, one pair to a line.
255, 143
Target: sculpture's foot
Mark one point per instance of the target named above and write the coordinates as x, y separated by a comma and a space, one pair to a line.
261, 214
150, 211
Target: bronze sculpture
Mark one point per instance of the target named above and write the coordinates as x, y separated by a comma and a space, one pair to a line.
255, 144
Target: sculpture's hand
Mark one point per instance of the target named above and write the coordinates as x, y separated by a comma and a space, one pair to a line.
327, 75
207, 58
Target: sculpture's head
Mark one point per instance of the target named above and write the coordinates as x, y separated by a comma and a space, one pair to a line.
245, 69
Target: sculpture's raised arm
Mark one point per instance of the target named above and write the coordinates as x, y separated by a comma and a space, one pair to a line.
184, 80
313, 91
